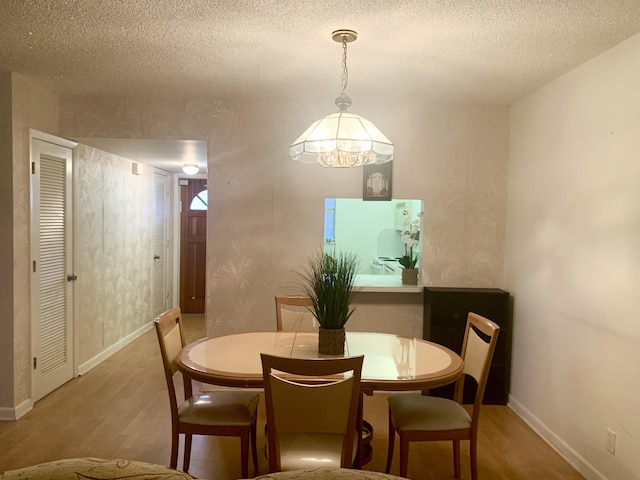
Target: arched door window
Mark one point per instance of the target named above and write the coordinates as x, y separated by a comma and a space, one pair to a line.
200, 201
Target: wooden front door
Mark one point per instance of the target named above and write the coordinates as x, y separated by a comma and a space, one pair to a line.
193, 245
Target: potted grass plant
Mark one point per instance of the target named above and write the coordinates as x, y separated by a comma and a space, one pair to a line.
329, 281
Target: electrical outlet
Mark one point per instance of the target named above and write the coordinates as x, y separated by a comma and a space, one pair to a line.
611, 441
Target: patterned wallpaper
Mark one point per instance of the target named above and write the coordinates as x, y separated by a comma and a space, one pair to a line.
266, 212
113, 233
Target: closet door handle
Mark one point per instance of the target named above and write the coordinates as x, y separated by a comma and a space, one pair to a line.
156, 257
72, 277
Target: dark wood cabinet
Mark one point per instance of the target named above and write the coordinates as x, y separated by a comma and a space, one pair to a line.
445, 317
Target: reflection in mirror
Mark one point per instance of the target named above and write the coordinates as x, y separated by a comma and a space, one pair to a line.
372, 230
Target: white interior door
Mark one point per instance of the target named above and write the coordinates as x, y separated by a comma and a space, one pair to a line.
51, 267
160, 241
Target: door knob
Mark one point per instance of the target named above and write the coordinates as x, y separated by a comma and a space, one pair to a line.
72, 277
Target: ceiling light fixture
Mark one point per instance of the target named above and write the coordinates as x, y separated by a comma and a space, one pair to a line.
342, 139
190, 168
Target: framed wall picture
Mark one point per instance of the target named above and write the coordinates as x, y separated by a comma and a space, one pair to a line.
376, 181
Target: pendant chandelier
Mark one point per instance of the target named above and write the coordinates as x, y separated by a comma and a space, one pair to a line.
342, 139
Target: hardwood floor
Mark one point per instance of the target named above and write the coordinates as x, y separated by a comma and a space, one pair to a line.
120, 409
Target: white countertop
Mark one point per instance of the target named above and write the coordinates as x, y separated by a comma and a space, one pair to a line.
384, 283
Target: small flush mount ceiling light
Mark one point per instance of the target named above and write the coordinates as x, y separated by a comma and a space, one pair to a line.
342, 139
190, 168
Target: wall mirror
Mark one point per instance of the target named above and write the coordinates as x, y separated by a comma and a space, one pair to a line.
372, 230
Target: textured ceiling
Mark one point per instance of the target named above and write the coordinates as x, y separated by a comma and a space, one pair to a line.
480, 51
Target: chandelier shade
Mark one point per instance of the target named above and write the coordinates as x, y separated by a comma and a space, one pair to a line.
342, 139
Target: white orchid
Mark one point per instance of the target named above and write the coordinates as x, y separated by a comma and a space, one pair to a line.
410, 237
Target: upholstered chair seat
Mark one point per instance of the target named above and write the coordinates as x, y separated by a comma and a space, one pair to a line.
419, 412
228, 409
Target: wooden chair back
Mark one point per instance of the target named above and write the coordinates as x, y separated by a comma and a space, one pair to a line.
481, 335
293, 314
171, 339
315, 402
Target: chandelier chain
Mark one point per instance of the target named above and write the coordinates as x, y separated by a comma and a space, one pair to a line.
342, 139
345, 71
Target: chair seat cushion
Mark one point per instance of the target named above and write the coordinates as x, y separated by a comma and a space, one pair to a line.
420, 412
94, 468
232, 408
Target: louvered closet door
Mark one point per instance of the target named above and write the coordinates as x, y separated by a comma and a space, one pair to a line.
52, 268
160, 242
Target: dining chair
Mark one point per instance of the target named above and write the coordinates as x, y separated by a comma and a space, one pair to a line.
227, 413
292, 314
312, 411
420, 418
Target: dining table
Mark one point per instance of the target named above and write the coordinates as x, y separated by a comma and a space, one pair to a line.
391, 363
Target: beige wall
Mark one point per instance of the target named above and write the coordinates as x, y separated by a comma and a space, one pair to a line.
6, 244
573, 261
266, 212
31, 107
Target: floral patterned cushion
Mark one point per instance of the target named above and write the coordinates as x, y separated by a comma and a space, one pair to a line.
95, 469
328, 474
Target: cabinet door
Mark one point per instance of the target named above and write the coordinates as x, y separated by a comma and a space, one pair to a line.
445, 317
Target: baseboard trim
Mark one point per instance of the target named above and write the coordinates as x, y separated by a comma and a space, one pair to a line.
584, 468
102, 356
12, 414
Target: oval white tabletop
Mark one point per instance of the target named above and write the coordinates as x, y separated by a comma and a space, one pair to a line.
391, 362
